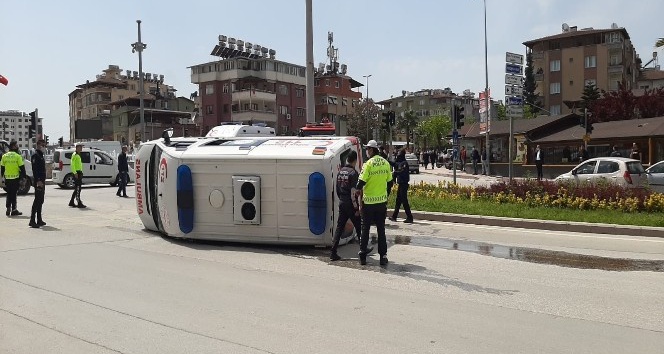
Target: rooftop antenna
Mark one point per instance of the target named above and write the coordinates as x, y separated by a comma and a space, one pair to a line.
332, 53
565, 27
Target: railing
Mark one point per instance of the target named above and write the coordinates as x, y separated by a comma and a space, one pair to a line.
613, 69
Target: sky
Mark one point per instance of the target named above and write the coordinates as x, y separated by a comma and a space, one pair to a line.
49, 47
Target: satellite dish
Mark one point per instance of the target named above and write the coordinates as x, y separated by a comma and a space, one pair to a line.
565, 27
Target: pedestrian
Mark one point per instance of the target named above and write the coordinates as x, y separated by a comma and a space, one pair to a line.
615, 152
485, 162
636, 153
12, 169
372, 184
348, 208
475, 156
123, 173
583, 154
539, 161
425, 159
77, 171
433, 158
463, 156
39, 175
402, 172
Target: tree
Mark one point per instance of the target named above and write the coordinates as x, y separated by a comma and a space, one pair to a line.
590, 95
408, 123
434, 129
660, 43
651, 104
614, 105
529, 87
502, 112
364, 116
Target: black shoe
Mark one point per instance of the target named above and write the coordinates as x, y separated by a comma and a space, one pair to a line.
9, 211
16, 213
392, 218
71, 204
408, 221
334, 257
41, 223
117, 194
125, 196
383, 260
374, 239
33, 225
81, 205
363, 260
365, 252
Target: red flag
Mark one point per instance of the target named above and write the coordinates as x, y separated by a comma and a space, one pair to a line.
3, 80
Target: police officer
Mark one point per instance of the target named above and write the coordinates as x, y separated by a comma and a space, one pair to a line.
123, 172
39, 174
12, 169
375, 175
346, 181
77, 171
402, 172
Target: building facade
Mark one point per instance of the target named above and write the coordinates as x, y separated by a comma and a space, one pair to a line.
92, 100
335, 98
15, 125
650, 79
566, 62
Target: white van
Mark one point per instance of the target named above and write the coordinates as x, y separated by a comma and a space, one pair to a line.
254, 189
98, 167
113, 148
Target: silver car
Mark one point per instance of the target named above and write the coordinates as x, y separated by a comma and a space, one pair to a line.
655, 174
620, 170
413, 163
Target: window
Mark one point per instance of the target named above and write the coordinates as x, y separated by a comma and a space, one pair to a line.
299, 112
353, 103
399, 104
555, 110
554, 88
299, 92
209, 89
614, 37
336, 83
208, 109
615, 60
245, 106
608, 167
283, 90
421, 102
586, 168
331, 100
591, 61
555, 65
102, 159
323, 100
254, 106
283, 109
327, 82
590, 82
225, 88
571, 60
344, 101
316, 82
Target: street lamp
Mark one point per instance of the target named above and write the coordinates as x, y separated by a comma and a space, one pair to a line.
367, 105
139, 47
486, 96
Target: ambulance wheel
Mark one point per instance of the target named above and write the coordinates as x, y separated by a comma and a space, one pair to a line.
69, 181
24, 185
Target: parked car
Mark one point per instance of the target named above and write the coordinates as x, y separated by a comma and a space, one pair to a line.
413, 163
655, 175
98, 167
620, 170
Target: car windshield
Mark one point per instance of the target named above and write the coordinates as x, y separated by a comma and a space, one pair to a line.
635, 167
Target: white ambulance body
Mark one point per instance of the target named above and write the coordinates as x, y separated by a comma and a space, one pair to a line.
240, 130
255, 189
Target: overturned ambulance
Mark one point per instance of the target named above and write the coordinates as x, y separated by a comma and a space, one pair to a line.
252, 189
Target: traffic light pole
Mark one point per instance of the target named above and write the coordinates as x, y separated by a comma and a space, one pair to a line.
585, 120
454, 140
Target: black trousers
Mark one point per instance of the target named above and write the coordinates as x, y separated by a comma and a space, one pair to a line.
11, 185
122, 183
538, 164
77, 190
346, 212
37, 204
374, 214
402, 198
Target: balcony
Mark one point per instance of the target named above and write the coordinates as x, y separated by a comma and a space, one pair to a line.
254, 95
616, 69
250, 116
538, 55
614, 46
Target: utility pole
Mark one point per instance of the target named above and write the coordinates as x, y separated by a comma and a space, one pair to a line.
139, 47
486, 91
311, 104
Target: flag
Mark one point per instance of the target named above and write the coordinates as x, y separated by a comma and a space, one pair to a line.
3, 80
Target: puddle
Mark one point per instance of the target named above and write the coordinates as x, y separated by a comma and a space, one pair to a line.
532, 255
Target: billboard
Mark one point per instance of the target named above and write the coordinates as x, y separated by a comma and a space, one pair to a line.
87, 129
485, 112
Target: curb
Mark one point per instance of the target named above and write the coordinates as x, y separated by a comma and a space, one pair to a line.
551, 225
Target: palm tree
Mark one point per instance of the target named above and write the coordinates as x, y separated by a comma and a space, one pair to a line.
408, 122
660, 43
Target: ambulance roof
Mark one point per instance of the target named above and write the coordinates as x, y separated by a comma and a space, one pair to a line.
238, 130
256, 147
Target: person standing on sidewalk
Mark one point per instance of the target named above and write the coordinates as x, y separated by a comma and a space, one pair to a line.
462, 158
475, 156
485, 162
375, 175
539, 162
402, 172
346, 181
123, 173
39, 174
12, 169
77, 171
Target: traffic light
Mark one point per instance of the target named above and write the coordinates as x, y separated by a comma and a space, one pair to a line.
393, 119
386, 121
458, 117
46, 139
60, 141
32, 131
582, 122
589, 128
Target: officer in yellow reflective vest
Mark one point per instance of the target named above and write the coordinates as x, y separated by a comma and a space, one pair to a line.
77, 171
12, 169
376, 174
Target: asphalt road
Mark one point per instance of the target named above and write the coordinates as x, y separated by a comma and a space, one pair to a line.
93, 281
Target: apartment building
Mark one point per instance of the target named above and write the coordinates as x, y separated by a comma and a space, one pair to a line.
565, 63
92, 99
334, 95
15, 125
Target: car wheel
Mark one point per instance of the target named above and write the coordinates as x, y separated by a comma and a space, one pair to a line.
69, 181
24, 185
117, 180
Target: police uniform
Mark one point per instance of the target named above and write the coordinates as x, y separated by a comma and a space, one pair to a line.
346, 181
376, 174
77, 170
39, 175
12, 169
